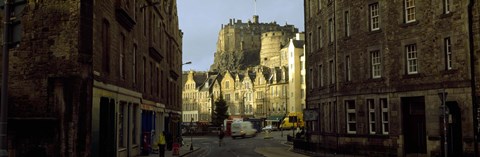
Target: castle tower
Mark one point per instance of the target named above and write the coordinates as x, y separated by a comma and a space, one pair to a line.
272, 43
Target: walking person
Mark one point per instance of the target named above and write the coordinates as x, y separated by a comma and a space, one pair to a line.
221, 134
161, 144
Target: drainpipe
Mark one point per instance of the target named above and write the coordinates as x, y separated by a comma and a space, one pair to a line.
335, 73
471, 3
4, 94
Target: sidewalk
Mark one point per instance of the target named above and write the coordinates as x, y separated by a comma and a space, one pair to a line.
277, 152
317, 154
185, 150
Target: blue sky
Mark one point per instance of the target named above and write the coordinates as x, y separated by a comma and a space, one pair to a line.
201, 20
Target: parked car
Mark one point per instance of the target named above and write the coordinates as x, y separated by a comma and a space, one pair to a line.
243, 129
270, 128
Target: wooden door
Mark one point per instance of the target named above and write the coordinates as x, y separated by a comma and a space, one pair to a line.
414, 129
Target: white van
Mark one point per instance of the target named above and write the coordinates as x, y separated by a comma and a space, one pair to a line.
243, 129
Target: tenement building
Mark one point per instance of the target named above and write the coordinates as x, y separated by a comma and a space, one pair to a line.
94, 78
379, 71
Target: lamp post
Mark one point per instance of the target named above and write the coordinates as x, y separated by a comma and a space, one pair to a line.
443, 96
211, 107
189, 62
191, 135
244, 106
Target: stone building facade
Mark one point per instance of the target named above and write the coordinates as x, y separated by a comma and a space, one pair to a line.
261, 89
375, 69
296, 69
190, 95
242, 100
199, 92
88, 73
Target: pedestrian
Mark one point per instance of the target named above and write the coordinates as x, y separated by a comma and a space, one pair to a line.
221, 134
161, 144
302, 133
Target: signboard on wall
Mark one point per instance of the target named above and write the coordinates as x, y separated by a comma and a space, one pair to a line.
310, 115
292, 119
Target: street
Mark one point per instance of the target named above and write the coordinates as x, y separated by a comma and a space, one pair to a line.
255, 147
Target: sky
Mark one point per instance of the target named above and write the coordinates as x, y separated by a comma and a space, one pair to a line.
201, 20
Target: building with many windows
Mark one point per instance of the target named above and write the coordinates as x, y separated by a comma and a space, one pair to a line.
94, 78
198, 96
377, 71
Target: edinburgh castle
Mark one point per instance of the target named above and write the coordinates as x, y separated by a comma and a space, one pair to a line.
240, 44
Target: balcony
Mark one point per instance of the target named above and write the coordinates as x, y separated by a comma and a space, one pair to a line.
155, 55
123, 16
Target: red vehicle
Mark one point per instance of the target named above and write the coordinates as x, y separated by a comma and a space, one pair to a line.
227, 124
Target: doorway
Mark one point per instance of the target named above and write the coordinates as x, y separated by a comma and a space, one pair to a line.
107, 127
414, 130
454, 130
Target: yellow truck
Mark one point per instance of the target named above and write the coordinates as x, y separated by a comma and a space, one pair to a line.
286, 124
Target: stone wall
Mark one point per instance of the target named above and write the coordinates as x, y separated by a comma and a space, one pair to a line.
429, 31
50, 81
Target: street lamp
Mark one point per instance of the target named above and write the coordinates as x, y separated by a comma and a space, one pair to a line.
243, 105
443, 96
191, 134
189, 62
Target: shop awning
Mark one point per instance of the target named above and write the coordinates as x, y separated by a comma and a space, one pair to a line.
274, 118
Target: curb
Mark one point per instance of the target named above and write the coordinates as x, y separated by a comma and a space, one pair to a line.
303, 152
194, 150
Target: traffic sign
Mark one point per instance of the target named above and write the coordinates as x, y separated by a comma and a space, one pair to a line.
15, 20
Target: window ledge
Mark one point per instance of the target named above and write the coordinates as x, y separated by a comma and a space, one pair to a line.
347, 37
405, 25
321, 88
408, 76
122, 149
434, 138
374, 31
380, 136
448, 72
446, 15
379, 79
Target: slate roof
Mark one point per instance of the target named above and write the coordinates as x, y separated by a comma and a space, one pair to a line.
298, 43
